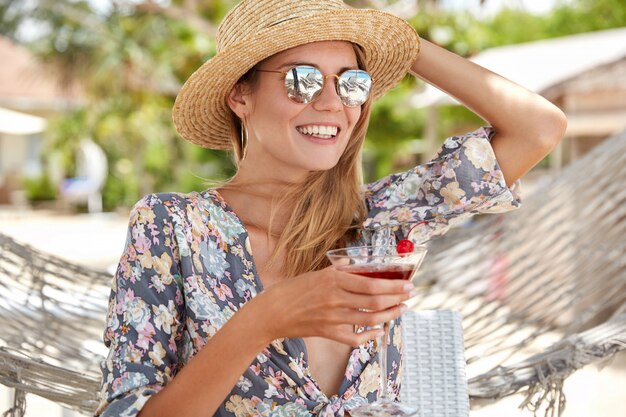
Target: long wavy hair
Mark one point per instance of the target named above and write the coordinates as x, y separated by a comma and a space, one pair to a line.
327, 208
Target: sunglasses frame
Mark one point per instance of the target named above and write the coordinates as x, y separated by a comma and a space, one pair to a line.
324, 76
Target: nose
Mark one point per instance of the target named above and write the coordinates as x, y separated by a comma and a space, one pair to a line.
329, 100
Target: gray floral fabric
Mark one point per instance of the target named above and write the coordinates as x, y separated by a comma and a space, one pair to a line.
187, 268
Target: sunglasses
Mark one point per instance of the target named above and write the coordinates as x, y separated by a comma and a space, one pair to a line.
304, 85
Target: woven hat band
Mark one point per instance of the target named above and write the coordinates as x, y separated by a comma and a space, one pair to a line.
253, 16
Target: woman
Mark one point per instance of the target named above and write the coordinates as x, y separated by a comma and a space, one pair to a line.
290, 91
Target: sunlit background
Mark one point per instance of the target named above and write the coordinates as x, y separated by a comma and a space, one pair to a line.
86, 90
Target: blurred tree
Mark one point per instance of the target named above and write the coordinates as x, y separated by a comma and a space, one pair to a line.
468, 35
129, 60
9, 19
132, 56
567, 18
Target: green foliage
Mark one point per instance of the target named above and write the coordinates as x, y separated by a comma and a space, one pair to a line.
457, 120
585, 16
63, 136
39, 188
577, 16
394, 124
10, 17
130, 62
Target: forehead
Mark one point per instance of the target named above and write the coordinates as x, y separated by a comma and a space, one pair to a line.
325, 53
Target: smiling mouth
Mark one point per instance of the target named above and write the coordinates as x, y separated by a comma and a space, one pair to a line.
322, 132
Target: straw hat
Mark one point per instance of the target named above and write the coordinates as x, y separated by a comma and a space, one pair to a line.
257, 29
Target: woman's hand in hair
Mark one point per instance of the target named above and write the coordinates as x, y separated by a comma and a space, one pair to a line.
527, 125
328, 303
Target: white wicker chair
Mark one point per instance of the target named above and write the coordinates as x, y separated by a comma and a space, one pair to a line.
434, 364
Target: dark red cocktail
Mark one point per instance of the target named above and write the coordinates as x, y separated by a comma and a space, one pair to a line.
385, 262
384, 271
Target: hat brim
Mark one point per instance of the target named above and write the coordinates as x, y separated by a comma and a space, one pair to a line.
201, 113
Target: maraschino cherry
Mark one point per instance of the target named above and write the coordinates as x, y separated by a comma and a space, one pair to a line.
405, 245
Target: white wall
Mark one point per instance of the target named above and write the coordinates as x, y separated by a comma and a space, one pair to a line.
20, 154
35, 406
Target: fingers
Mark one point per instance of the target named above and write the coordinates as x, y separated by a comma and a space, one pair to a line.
374, 318
351, 291
355, 339
375, 302
366, 319
321, 302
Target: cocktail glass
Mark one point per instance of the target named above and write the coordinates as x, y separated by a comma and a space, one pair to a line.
380, 262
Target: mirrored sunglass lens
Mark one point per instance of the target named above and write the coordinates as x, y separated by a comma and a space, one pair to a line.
303, 83
354, 87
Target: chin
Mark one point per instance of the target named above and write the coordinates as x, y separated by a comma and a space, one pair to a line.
320, 166
320, 161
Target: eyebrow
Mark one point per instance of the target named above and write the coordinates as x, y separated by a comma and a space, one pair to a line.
297, 63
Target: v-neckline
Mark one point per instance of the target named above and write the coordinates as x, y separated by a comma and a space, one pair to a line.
249, 254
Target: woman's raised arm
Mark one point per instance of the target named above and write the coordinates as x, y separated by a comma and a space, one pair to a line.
527, 126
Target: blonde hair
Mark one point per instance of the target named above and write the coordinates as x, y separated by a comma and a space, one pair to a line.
327, 208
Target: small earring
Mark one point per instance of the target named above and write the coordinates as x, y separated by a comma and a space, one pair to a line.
244, 141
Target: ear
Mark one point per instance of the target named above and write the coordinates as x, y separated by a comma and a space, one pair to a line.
239, 102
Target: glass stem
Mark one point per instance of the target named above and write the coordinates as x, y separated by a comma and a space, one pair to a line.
382, 361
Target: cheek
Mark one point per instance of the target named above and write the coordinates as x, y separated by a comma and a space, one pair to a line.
353, 113
278, 108
273, 114
357, 114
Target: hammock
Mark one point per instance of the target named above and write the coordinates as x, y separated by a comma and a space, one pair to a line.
542, 291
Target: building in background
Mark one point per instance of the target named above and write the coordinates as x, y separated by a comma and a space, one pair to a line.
584, 74
28, 86
20, 143
30, 93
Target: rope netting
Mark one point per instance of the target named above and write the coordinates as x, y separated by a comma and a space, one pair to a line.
52, 315
542, 291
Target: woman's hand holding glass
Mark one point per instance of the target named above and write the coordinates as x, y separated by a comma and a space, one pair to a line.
396, 263
329, 303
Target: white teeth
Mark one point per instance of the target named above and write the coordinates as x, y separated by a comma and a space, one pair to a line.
325, 132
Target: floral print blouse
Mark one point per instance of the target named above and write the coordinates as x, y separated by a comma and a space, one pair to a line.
187, 268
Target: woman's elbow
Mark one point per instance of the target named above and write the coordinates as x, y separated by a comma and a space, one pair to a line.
553, 127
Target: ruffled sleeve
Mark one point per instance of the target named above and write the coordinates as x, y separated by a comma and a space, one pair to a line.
463, 179
145, 315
